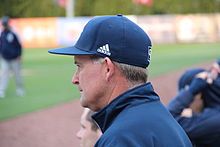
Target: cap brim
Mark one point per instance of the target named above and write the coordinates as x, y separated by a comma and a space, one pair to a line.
69, 51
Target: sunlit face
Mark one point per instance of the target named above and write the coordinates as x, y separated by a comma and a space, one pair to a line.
87, 136
90, 79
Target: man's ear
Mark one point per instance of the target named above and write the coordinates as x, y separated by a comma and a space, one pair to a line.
109, 68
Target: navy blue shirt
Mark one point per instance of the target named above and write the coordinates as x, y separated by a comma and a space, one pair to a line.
10, 47
137, 118
202, 128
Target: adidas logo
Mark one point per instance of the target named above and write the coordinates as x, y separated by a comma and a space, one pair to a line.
104, 50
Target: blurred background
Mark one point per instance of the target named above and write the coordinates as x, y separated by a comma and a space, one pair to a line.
184, 34
53, 23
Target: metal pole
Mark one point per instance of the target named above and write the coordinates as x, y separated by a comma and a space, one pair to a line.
70, 8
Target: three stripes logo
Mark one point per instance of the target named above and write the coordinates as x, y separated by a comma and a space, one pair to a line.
104, 50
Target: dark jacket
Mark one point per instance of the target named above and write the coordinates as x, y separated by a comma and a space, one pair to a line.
137, 118
10, 47
202, 128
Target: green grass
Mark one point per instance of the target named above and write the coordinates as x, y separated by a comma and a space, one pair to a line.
48, 77
47, 82
168, 58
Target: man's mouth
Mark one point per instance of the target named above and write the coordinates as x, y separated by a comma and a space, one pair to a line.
80, 90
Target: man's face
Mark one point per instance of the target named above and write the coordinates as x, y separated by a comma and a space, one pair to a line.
90, 81
87, 136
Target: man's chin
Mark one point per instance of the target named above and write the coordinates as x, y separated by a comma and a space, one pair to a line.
81, 145
83, 103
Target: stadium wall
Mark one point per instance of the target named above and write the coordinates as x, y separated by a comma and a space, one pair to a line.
60, 31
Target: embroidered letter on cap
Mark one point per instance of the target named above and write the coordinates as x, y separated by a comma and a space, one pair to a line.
149, 53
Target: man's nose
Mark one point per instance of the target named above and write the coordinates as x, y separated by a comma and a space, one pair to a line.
75, 79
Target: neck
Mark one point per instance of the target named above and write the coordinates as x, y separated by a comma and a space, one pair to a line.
121, 85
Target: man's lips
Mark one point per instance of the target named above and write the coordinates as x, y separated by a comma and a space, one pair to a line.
80, 90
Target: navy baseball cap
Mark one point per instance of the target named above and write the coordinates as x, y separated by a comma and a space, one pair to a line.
115, 37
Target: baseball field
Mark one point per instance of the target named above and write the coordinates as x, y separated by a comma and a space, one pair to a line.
52, 99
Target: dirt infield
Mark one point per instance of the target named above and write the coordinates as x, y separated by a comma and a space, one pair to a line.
57, 126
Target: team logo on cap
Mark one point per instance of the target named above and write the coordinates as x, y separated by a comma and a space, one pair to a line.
104, 50
149, 53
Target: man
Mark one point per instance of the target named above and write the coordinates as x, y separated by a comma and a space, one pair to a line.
197, 105
10, 52
111, 56
89, 132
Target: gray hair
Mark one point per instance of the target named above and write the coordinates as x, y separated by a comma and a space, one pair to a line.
134, 74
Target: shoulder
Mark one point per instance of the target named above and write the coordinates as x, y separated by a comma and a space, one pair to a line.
13, 33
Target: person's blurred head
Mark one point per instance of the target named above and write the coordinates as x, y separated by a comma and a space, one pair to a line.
89, 132
5, 21
212, 94
215, 69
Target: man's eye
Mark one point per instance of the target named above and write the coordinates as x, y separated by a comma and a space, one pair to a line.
77, 65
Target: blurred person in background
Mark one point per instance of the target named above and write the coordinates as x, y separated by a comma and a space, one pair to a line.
10, 52
197, 105
89, 131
